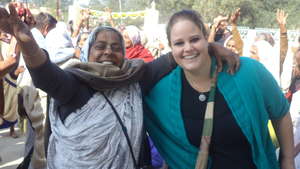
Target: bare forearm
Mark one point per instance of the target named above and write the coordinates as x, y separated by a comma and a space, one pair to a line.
283, 45
238, 39
212, 34
284, 132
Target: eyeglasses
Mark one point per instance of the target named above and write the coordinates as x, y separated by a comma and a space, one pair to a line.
103, 46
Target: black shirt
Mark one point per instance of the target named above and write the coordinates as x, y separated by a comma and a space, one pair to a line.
229, 147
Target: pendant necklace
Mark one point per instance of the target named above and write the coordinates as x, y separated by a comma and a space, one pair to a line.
202, 97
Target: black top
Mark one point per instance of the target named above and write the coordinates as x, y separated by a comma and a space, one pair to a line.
229, 147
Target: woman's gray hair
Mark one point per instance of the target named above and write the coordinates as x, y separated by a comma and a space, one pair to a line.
92, 38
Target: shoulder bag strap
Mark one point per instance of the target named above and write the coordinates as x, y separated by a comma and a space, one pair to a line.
124, 129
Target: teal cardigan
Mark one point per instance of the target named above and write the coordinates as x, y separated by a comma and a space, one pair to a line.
252, 95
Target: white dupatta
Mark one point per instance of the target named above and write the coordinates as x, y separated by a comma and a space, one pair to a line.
92, 138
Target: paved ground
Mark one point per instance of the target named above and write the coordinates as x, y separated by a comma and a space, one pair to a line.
11, 150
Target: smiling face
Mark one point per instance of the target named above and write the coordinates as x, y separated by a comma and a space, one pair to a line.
189, 45
107, 49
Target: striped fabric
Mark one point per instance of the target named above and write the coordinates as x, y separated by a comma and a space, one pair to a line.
208, 122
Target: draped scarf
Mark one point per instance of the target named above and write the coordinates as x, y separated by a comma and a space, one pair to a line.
91, 136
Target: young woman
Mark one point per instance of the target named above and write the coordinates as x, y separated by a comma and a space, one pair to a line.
195, 114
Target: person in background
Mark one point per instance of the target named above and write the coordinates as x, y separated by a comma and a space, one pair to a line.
234, 42
134, 48
281, 18
9, 73
263, 48
219, 31
63, 50
33, 102
293, 95
82, 37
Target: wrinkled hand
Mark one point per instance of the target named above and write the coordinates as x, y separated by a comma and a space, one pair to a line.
281, 17
11, 23
234, 17
222, 54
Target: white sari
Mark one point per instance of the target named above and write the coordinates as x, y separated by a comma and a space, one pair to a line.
92, 138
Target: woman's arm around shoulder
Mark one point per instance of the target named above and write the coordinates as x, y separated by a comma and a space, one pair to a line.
156, 70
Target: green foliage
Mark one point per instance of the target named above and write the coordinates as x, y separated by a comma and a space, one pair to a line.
254, 13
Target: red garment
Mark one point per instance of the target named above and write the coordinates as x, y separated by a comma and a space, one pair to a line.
139, 51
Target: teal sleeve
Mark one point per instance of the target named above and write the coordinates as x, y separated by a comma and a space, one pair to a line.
277, 105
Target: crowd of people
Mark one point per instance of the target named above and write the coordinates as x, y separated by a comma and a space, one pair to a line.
98, 98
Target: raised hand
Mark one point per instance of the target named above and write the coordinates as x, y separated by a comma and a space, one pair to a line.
219, 19
234, 17
11, 23
281, 17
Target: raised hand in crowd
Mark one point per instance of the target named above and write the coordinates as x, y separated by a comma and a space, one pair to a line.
235, 42
110, 18
234, 17
12, 24
219, 23
82, 22
281, 18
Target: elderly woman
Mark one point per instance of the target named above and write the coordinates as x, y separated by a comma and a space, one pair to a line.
85, 131
96, 111
134, 47
78, 100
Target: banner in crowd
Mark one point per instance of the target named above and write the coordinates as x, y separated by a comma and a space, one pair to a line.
118, 15
102, 15
247, 33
